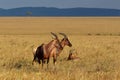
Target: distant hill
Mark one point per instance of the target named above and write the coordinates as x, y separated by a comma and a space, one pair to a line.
43, 11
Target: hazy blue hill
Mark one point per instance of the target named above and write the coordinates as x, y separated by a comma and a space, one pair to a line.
2, 9
43, 11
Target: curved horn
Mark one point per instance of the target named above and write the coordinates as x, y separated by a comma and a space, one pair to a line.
63, 35
54, 35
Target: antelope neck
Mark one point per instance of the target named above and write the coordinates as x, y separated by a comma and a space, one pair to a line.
62, 44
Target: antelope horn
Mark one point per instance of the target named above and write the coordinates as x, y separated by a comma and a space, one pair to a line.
54, 35
63, 35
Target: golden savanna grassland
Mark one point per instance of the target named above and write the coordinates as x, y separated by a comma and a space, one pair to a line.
96, 40
71, 25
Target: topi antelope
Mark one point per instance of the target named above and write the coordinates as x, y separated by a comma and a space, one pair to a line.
64, 42
45, 51
72, 55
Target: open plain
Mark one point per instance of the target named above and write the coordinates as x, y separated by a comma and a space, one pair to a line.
96, 40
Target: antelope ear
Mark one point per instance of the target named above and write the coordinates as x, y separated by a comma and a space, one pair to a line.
72, 50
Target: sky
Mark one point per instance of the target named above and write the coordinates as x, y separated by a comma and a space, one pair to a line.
111, 4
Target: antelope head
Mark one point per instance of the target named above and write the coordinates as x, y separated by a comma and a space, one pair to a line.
57, 44
65, 40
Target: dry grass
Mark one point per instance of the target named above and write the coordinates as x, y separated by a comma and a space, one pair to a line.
99, 55
71, 25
